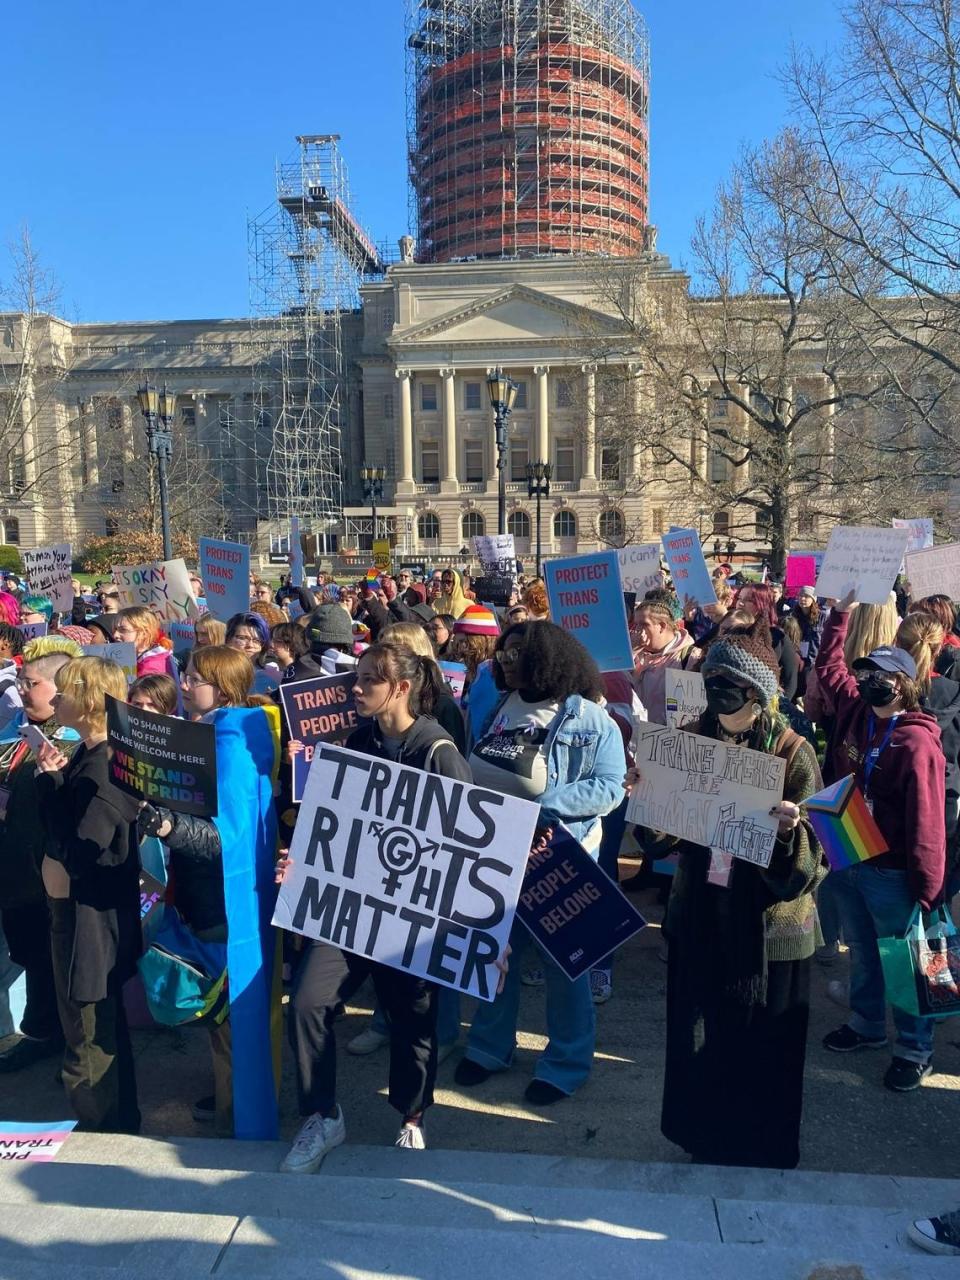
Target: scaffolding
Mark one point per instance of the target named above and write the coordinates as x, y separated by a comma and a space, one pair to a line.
527, 125
308, 255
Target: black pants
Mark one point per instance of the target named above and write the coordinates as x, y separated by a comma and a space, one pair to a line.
327, 977
27, 930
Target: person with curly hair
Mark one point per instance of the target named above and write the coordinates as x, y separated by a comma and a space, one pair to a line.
534, 600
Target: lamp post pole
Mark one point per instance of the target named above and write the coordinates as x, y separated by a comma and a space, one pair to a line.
373, 478
159, 409
538, 486
503, 393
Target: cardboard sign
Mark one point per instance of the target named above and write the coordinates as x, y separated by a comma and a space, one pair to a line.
586, 599
418, 872
382, 554
575, 911
33, 630
688, 568
163, 586
49, 572
225, 570
455, 674
167, 761
686, 697
497, 553
801, 572
182, 636
919, 533
933, 571
318, 710
37, 1142
711, 793
861, 559
124, 654
640, 568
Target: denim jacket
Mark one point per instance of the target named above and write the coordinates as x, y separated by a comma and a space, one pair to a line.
586, 768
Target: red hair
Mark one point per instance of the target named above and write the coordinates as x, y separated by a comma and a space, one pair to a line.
763, 604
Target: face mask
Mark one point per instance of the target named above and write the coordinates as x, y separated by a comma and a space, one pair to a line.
875, 691
724, 698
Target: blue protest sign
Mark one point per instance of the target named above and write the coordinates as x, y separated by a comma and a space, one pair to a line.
225, 570
572, 908
586, 599
688, 569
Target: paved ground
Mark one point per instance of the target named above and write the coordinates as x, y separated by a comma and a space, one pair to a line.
851, 1122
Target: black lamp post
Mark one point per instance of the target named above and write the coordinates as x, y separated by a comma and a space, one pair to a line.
503, 392
538, 486
158, 409
373, 478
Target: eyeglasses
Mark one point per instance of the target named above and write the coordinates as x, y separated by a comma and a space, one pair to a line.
193, 682
507, 657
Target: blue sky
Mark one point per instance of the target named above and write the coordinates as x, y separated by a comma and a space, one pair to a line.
144, 134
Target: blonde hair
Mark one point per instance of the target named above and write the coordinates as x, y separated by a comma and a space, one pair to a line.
87, 682
230, 671
214, 631
147, 627
921, 634
47, 646
410, 634
870, 626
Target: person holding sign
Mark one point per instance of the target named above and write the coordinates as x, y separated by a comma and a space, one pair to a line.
894, 749
741, 938
397, 690
661, 645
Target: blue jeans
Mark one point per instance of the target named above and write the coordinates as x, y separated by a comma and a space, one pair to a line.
571, 1022
614, 825
448, 1017
876, 902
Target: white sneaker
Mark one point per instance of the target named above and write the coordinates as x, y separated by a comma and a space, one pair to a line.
368, 1041
317, 1136
412, 1138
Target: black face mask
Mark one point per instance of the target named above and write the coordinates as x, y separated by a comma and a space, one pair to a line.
724, 698
875, 691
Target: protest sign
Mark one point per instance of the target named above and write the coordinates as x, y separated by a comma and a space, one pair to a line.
801, 572
686, 697
455, 674
935, 570
33, 630
49, 572
575, 911
711, 793
182, 636
640, 568
162, 759
919, 533
688, 569
152, 893
38, 1142
295, 558
410, 869
225, 570
497, 553
124, 654
861, 559
318, 710
586, 598
294, 609
163, 586
382, 554
266, 680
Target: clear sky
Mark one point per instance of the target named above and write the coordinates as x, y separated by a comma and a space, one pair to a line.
138, 137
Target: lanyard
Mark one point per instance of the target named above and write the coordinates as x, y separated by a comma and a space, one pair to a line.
874, 754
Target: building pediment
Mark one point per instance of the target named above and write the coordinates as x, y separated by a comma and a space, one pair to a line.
515, 314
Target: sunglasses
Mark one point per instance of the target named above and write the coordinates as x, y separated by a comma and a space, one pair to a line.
507, 657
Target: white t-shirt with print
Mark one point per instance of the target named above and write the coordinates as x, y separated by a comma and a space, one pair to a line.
512, 755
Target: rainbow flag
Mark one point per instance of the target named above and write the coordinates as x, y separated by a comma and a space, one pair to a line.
373, 576
844, 825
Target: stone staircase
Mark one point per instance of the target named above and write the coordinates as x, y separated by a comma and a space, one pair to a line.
141, 1207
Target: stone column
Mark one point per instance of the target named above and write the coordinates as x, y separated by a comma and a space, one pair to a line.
405, 452
633, 453
543, 413
449, 473
589, 473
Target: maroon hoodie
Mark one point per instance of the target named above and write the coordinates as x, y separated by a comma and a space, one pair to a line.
907, 783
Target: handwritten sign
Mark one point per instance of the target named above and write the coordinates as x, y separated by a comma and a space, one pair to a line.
935, 570
33, 630
49, 572
640, 568
382, 554
861, 559
163, 586
711, 793
37, 1142
686, 697
497, 553
162, 759
419, 872
318, 710
688, 569
225, 570
586, 599
124, 654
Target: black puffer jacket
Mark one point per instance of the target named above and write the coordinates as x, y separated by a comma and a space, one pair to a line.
943, 701
196, 867
418, 748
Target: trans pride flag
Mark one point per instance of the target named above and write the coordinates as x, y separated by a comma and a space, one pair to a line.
844, 825
37, 1142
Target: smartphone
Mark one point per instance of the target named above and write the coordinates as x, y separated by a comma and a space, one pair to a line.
34, 736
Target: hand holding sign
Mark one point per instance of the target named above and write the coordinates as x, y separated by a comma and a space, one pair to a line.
863, 560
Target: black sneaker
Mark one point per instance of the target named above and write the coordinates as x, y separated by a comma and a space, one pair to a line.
470, 1073
937, 1235
204, 1110
26, 1052
846, 1040
903, 1075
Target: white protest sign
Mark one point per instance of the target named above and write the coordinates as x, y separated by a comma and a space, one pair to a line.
496, 552
711, 793
919, 533
163, 586
413, 870
861, 559
640, 568
935, 571
686, 697
48, 571
122, 653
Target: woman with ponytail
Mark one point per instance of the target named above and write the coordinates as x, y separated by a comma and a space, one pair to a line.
141, 628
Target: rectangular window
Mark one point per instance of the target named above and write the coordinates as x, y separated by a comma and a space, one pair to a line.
564, 394
806, 524
521, 400
719, 468
610, 463
430, 462
658, 521
472, 396
721, 523
114, 415
473, 461
188, 417
386, 319
565, 466
111, 526
519, 457
718, 409
388, 405
428, 397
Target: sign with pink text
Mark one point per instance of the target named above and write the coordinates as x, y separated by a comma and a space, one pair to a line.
688, 568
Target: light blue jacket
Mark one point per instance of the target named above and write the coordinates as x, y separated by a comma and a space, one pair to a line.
586, 767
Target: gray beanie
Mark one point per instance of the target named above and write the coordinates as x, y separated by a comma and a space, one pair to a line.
745, 657
329, 625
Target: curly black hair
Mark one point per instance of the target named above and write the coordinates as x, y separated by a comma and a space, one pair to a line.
552, 663
13, 636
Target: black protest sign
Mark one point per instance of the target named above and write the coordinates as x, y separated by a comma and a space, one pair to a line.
318, 710
410, 869
572, 908
167, 761
152, 894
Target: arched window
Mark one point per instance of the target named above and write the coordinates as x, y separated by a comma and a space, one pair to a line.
428, 527
611, 527
518, 523
564, 525
11, 531
473, 526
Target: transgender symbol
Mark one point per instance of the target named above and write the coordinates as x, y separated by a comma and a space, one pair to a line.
399, 852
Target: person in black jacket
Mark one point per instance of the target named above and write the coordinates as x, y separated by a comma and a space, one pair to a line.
398, 690
91, 875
